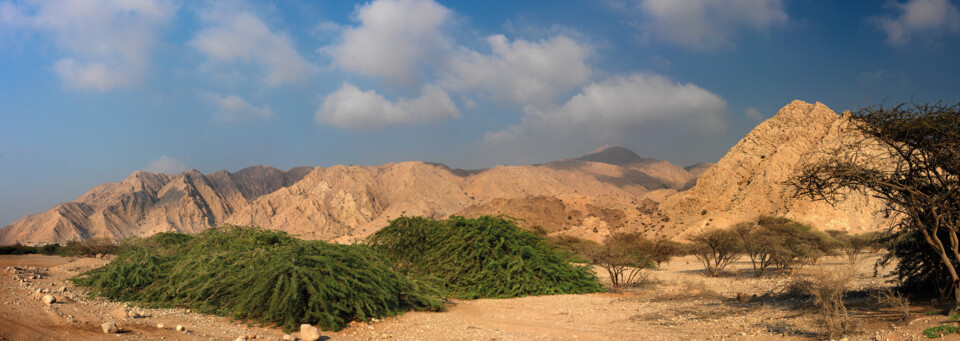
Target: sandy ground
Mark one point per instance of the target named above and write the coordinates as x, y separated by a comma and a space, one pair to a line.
676, 302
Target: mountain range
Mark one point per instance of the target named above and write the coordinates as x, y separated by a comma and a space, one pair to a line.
607, 190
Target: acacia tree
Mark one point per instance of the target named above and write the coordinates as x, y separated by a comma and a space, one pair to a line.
624, 256
715, 249
909, 157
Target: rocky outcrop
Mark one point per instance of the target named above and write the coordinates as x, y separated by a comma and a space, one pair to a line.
751, 179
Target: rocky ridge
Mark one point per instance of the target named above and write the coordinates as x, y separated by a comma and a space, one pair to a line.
609, 189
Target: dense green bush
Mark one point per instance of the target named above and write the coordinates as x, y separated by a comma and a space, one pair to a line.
267, 276
482, 257
17, 249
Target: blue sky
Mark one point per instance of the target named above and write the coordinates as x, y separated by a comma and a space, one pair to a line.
93, 90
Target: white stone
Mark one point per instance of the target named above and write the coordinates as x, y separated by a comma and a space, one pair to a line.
309, 333
181, 328
109, 327
49, 299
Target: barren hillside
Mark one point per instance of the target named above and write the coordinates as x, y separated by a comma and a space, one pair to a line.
750, 180
590, 196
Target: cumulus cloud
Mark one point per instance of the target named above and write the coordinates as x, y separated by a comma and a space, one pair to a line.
393, 39
107, 43
522, 72
351, 108
166, 165
238, 36
918, 16
753, 113
234, 108
705, 24
620, 105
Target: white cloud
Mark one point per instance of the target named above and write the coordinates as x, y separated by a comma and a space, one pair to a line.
239, 36
393, 39
707, 24
619, 106
753, 113
918, 16
521, 72
166, 165
234, 108
107, 43
351, 108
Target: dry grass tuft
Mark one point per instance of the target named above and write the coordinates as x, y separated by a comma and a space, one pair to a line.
827, 287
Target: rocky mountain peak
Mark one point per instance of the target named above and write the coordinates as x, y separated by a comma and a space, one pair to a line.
611, 154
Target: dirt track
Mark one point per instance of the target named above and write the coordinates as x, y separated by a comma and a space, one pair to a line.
676, 303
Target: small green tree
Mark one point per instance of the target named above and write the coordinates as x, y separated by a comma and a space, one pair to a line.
756, 245
715, 249
624, 256
793, 244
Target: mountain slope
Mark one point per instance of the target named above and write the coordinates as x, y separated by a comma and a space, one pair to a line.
750, 180
334, 203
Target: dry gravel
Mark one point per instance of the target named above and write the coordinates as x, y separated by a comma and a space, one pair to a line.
674, 303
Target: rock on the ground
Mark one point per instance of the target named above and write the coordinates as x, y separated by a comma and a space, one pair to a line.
49, 299
120, 313
181, 328
160, 326
288, 337
309, 333
109, 327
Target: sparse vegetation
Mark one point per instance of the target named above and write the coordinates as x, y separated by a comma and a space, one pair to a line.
828, 286
482, 257
267, 276
940, 331
893, 300
855, 245
90, 247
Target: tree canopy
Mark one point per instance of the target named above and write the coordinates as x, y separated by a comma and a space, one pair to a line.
909, 157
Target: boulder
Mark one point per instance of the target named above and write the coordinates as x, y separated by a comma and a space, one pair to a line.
309, 333
49, 299
109, 327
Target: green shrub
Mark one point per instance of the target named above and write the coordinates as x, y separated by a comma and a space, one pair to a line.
940, 331
267, 276
51, 250
482, 257
17, 249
